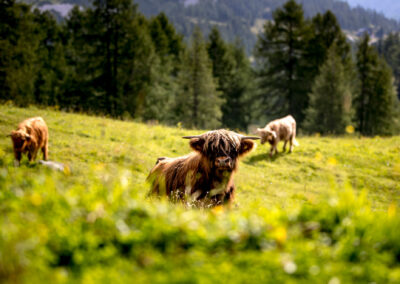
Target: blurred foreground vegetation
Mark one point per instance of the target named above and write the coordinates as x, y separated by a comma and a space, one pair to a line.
327, 213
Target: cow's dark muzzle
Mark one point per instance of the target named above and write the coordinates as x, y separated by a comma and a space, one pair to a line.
224, 162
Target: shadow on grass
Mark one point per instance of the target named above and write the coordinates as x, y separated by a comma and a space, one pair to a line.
265, 157
23, 164
26, 164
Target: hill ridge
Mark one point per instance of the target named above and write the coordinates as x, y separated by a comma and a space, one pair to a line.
240, 18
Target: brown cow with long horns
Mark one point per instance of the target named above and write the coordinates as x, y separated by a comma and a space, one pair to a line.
205, 176
31, 136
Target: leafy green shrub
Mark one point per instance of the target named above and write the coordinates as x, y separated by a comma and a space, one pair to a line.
76, 233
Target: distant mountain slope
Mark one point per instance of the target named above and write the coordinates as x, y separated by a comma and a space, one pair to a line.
390, 8
243, 18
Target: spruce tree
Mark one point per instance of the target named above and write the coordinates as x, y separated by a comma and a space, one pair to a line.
110, 53
281, 53
198, 103
366, 61
329, 110
382, 105
222, 63
163, 86
50, 60
326, 32
167, 41
113, 22
18, 47
78, 93
389, 48
239, 104
228, 61
376, 101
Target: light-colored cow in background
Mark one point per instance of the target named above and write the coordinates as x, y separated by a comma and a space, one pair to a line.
279, 129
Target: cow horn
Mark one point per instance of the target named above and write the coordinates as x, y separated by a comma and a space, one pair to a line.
250, 137
190, 137
8, 135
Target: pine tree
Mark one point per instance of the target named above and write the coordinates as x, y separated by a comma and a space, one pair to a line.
160, 93
111, 54
240, 100
389, 48
50, 59
381, 115
376, 101
325, 33
163, 86
113, 20
232, 70
198, 102
281, 53
222, 63
329, 110
18, 46
78, 93
165, 38
366, 61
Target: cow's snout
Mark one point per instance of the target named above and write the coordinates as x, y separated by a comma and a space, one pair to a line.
224, 162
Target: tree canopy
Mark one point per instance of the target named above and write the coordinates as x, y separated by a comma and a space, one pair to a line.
109, 59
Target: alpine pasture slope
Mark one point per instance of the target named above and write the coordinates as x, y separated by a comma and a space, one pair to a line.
326, 212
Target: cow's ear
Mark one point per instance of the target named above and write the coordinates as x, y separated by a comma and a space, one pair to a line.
246, 145
197, 144
262, 131
272, 132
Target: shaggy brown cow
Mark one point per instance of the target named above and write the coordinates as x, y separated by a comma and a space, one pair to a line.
277, 130
31, 135
205, 176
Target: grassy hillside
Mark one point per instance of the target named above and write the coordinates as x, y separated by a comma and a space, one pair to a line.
326, 212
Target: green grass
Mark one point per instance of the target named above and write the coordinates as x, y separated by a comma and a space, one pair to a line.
326, 212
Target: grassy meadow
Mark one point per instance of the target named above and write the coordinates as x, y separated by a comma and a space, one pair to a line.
327, 213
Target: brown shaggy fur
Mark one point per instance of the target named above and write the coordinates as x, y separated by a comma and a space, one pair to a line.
205, 176
31, 135
279, 129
